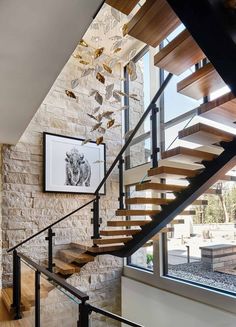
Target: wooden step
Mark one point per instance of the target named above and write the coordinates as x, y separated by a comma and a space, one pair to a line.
160, 187
73, 255
221, 110
65, 268
171, 172
25, 322
114, 240
142, 200
6, 294
179, 55
200, 203
124, 6
127, 223
136, 212
89, 246
7, 299
154, 21
201, 83
119, 232
188, 213
186, 155
160, 201
205, 135
133, 231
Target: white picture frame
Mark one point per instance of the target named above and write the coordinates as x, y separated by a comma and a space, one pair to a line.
70, 166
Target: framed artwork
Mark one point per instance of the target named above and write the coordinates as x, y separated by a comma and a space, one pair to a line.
70, 166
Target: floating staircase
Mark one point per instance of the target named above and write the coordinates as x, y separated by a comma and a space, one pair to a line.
179, 55
169, 201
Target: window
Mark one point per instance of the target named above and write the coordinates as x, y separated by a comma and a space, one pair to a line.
203, 249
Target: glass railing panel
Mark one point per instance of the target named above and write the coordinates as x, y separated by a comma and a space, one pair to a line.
57, 306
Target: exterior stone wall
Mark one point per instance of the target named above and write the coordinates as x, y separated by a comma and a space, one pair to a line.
26, 209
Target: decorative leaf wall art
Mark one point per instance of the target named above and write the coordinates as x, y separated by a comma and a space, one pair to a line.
109, 89
101, 66
74, 83
98, 97
84, 62
100, 78
107, 68
96, 126
99, 140
83, 43
70, 94
95, 110
87, 72
86, 141
110, 123
107, 114
98, 52
116, 96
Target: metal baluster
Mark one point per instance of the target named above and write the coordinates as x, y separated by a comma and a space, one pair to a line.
121, 184
96, 219
155, 149
49, 238
37, 298
84, 312
16, 286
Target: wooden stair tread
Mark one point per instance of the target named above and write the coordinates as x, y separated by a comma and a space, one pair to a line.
143, 200
119, 232
65, 268
186, 155
71, 255
179, 55
188, 213
7, 294
124, 6
160, 187
25, 322
90, 247
221, 110
128, 212
205, 134
160, 201
201, 83
154, 21
171, 172
114, 240
126, 223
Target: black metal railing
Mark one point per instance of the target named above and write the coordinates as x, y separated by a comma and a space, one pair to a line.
152, 108
85, 309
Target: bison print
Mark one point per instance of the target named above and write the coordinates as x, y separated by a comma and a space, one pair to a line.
78, 169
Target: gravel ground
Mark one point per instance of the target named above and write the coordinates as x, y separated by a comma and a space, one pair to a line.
197, 272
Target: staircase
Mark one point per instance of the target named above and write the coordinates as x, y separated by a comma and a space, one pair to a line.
213, 156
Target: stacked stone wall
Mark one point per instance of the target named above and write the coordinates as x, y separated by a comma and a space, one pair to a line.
26, 208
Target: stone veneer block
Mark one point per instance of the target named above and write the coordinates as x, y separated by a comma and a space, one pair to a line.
218, 256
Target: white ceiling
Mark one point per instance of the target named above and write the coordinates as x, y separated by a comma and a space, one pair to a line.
36, 40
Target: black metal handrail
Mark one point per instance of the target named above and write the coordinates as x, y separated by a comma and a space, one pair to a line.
96, 193
85, 309
113, 316
139, 124
50, 226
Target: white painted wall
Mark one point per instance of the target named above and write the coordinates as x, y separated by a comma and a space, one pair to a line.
153, 307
